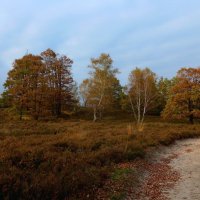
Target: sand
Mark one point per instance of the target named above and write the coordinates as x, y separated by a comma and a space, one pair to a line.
187, 163
174, 173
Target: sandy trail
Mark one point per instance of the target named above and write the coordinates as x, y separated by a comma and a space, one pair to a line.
187, 163
183, 161
173, 173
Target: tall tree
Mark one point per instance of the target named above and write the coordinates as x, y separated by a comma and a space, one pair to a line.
60, 80
141, 92
100, 91
184, 98
24, 85
41, 85
49, 60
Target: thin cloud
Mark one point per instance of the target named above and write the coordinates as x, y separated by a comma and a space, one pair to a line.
163, 35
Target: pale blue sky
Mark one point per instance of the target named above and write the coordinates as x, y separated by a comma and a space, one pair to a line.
161, 34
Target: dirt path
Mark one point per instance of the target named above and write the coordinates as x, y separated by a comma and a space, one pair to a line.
180, 179
188, 165
170, 173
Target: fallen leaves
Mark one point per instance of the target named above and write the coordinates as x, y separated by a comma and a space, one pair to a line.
151, 180
161, 177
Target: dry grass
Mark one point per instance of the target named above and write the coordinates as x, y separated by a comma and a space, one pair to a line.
70, 159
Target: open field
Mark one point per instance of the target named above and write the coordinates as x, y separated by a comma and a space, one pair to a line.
72, 158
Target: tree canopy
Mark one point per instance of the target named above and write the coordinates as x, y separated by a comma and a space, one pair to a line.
184, 98
40, 85
141, 92
101, 90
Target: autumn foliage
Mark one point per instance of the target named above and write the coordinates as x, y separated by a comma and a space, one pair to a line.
40, 85
141, 92
184, 98
101, 91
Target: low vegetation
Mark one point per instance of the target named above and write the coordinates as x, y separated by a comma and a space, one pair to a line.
70, 159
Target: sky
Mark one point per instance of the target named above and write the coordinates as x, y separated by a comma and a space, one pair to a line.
163, 35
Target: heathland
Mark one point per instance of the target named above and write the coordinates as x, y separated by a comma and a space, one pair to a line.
60, 141
71, 159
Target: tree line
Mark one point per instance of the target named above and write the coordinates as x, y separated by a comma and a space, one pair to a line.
42, 85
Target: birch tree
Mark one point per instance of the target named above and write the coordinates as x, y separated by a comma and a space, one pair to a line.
97, 91
141, 92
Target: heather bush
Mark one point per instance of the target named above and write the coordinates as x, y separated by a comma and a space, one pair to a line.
59, 160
